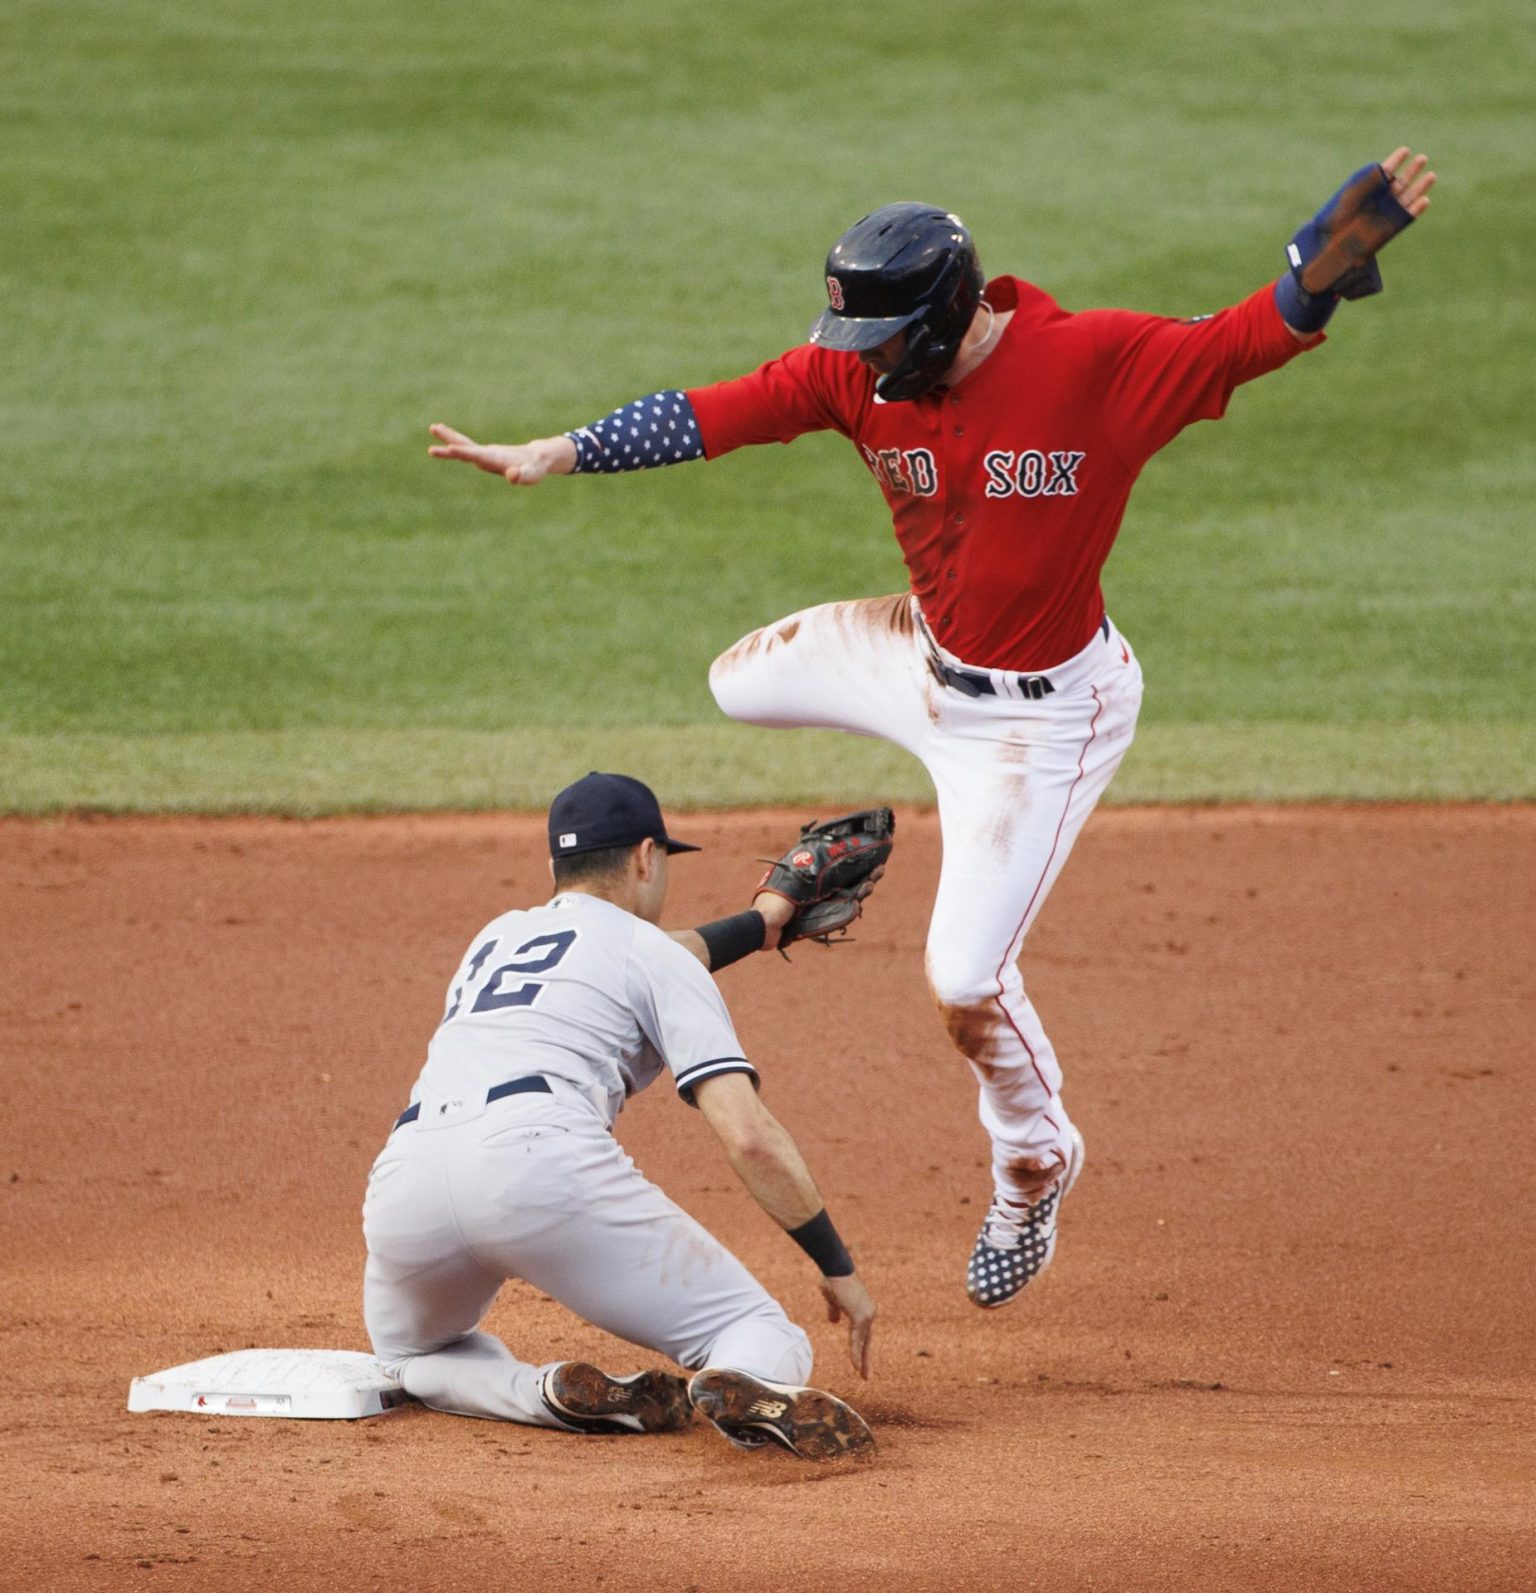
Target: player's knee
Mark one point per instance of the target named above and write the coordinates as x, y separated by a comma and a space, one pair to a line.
795, 1356
957, 979
764, 1342
728, 678
965, 993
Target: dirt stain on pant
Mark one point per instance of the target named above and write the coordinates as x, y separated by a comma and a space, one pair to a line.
738, 652
878, 615
1003, 825
977, 1033
1030, 1177
764, 639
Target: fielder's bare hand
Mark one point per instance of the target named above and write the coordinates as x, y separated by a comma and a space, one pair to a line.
521, 464
847, 1297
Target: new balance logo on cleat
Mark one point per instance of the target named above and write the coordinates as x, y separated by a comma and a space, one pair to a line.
805, 1421
1016, 1243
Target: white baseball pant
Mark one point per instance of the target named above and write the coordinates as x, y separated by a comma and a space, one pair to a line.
536, 1187
1016, 778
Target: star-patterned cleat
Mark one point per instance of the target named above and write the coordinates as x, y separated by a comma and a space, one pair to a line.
1016, 1243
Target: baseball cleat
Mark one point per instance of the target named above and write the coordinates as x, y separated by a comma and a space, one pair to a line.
590, 1401
1016, 1243
806, 1421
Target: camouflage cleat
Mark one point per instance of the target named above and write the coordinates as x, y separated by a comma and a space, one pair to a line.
589, 1401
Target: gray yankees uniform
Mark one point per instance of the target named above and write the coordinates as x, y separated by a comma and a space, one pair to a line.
504, 1166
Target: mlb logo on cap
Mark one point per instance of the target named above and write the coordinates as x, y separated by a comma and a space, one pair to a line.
606, 810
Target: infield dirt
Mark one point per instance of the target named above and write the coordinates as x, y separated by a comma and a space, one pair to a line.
1287, 1342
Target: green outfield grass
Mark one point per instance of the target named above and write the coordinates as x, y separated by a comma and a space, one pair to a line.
252, 248
308, 772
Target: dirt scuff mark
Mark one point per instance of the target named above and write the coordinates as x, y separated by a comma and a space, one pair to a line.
979, 1033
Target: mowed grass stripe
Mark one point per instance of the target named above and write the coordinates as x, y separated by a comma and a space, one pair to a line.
310, 772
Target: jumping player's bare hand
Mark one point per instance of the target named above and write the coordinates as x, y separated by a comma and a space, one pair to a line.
521, 464
847, 1297
1410, 183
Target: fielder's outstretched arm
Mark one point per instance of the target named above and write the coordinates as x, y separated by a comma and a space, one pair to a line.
717, 945
769, 1163
813, 892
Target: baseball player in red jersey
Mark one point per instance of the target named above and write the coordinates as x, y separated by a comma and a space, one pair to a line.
1005, 433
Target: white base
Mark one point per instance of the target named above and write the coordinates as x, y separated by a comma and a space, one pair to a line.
315, 1384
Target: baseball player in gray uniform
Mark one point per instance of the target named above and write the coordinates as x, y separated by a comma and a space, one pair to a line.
504, 1165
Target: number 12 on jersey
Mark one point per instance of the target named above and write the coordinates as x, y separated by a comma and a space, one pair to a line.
493, 994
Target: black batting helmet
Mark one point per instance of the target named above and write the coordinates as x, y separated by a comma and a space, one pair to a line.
905, 267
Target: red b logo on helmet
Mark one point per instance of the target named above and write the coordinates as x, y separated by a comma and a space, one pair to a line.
835, 293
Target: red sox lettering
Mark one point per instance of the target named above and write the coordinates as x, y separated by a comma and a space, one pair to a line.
1032, 474
1026, 473
911, 470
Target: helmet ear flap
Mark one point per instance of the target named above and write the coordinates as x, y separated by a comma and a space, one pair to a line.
934, 341
911, 376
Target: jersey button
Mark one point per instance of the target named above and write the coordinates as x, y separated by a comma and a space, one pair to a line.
950, 576
959, 431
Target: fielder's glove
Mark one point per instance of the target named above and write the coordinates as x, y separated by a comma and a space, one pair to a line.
828, 873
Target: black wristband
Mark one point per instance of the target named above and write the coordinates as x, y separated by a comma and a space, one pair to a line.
820, 1241
730, 939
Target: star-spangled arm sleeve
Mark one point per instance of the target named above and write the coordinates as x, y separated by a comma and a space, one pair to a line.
659, 429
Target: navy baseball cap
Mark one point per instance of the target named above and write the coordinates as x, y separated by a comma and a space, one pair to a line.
602, 810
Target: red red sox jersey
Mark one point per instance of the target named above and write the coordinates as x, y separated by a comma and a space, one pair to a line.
1007, 491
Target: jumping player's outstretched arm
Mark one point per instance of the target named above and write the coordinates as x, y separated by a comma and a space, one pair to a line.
1333, 256
780, 400
769, 1163
522, 464
1161, 375
659, 429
